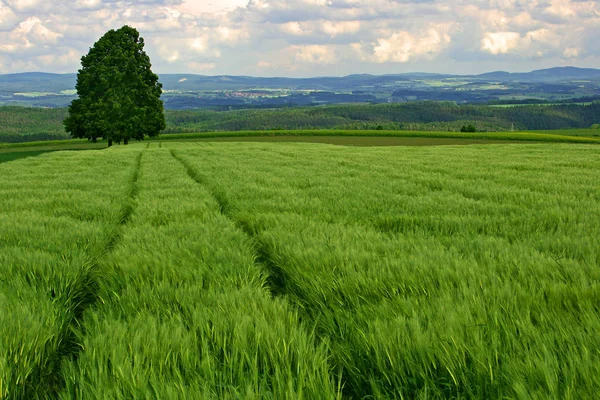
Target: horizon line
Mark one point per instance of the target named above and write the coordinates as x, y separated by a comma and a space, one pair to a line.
324, 76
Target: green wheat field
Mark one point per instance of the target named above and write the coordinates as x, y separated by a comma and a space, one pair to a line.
205, 270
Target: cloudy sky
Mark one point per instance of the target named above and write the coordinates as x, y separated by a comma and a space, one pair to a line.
308, 37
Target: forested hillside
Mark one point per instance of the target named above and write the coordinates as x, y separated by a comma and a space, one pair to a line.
445, 116
20, 124
25, 124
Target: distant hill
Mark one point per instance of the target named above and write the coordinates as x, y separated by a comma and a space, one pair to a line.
227, 82
224, 92
55, 83
544, 75
37, 82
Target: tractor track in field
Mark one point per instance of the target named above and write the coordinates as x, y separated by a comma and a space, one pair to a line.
263, 259
46, 380
278, 282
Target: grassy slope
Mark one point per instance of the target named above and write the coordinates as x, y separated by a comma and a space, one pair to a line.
285, 270
493, 136
51, 144
518, 136
15, 155
595, 133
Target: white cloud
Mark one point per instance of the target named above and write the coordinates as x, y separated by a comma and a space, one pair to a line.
264, 65
314, 54
215, 6
533, 43
231, 35
572, 52
293, 28
341, 28
324, 28
64, 59
306, 37
562, 9
196, 67
8, 18
500, 42
30, 34
404, 46
88, 4
25, 5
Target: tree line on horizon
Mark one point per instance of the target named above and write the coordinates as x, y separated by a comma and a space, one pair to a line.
19, 124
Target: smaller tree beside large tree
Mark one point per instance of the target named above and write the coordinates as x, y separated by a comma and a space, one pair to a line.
119, 95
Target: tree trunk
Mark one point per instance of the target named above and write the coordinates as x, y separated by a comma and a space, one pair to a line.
109, 142
126, 141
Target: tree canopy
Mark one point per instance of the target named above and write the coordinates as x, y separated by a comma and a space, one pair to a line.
119, 95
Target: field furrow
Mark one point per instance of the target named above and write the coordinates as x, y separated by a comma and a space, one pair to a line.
60, 211
433, 272
186, 310
275, 278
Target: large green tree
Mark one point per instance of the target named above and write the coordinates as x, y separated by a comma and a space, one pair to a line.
119, 95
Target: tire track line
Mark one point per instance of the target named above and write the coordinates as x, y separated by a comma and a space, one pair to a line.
46, 380
278, 281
